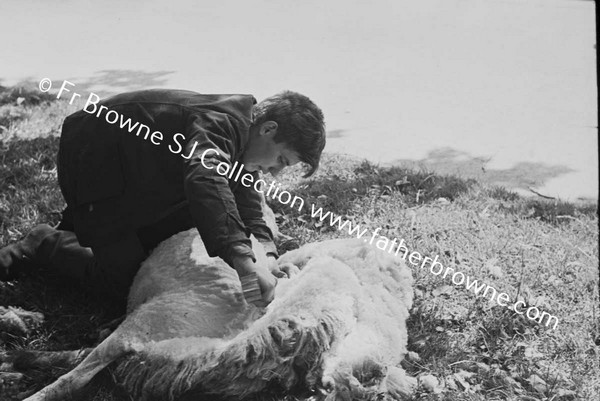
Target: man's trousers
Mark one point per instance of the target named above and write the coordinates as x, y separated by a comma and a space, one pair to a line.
106, 270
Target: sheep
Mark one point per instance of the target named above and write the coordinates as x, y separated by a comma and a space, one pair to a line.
338, 328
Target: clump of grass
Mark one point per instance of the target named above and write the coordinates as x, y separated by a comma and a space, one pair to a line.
24, 95
357, 191
555, 212
29, 193
418, 187
501, 193
27, 113
13, 102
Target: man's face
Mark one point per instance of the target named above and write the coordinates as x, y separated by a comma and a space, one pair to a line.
264, 154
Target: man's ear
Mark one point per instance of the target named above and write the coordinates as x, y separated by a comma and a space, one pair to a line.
268, 128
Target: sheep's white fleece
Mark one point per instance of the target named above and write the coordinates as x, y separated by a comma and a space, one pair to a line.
338, 325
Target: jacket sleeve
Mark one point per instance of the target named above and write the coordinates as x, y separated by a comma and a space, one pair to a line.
249, 205
211, 139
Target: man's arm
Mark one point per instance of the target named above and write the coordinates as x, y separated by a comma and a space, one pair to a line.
250, 206
213, 207
211, 137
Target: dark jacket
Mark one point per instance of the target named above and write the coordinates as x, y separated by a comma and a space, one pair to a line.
124, 167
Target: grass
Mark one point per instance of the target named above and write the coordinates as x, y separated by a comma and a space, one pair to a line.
543, 252
461, 347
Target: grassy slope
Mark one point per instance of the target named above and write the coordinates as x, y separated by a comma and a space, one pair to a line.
547, 253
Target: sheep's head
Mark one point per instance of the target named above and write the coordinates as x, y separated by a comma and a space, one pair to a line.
371, 381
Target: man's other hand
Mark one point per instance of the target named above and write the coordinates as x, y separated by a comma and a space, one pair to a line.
284, 270
266, 281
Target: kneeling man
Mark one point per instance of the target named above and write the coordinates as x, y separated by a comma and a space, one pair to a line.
142, 166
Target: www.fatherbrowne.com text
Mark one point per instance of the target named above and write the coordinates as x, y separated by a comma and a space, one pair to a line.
399, 249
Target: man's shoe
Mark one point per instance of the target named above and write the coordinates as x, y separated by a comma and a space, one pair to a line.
12, 260
22, 255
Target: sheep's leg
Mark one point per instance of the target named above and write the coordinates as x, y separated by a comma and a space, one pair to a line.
106, 329
37, 360
110, 350
16, 366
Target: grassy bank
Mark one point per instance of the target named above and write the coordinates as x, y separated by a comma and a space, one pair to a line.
462, 347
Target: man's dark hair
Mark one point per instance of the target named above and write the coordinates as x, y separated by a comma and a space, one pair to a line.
299, 124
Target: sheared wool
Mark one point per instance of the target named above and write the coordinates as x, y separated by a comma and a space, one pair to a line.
339, 325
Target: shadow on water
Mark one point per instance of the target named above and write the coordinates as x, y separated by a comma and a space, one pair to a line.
522, 175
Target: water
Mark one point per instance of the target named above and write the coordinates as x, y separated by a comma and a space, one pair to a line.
502, 90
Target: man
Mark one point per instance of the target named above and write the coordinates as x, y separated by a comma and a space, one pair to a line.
141, 166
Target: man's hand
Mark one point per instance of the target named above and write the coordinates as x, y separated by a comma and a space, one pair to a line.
281, 270
266, 281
